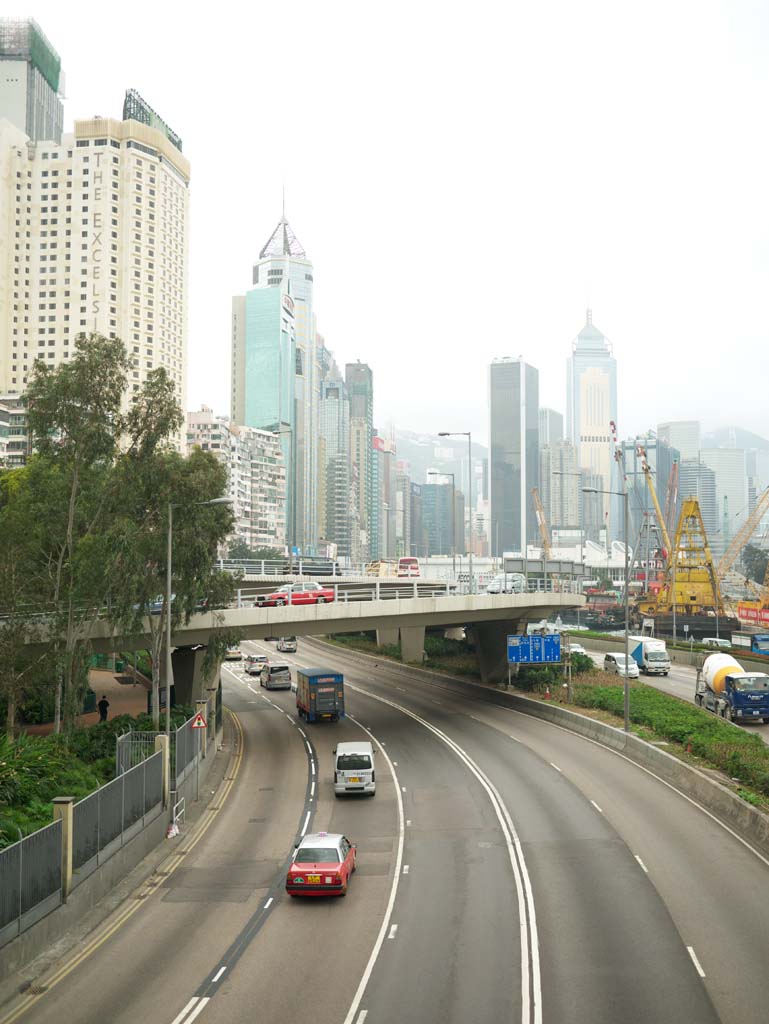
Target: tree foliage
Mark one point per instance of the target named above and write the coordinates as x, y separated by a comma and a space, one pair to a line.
754, 561
83, 527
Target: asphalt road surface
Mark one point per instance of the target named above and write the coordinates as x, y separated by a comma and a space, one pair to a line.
508, 871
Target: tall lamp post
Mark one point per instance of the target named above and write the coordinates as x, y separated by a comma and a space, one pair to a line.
467, 434
169, 666
624, 496
434, 472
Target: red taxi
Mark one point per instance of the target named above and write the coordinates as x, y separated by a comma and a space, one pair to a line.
299, 593
321, 865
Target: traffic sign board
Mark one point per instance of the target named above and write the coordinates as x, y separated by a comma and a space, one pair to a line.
534, 650
198, 722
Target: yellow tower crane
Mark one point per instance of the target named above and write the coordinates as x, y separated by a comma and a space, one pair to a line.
691, 582
641, 451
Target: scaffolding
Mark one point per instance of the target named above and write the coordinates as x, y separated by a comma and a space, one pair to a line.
137, 109
23, 37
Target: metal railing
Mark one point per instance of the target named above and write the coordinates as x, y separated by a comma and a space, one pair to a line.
107, 819
132, 748
188, 746
30, 880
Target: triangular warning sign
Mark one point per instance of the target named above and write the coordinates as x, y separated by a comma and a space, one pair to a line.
198, 722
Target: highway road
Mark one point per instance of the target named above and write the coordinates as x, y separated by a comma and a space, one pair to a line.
508, 871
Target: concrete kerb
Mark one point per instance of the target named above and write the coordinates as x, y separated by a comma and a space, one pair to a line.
747, 821
37, 950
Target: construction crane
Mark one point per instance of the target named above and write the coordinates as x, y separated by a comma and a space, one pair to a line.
641, 451
671, 498
691, 585
544, 530
743, 535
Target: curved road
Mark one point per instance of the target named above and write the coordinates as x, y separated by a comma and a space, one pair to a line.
508, 871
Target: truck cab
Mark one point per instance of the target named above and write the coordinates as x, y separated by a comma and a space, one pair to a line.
744, 698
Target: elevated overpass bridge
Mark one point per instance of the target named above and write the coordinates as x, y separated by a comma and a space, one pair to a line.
393, 614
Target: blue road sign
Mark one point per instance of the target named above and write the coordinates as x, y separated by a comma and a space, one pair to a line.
534, 650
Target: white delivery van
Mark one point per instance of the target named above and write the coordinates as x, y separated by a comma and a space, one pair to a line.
354, 768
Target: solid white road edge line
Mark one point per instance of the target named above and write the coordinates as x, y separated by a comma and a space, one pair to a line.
530, 992
354, 1005
695, 961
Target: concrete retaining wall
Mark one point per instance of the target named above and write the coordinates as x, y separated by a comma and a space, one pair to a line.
747, 821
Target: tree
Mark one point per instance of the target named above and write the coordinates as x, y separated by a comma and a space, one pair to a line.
754, 561
139, 542
240, 551
82, 433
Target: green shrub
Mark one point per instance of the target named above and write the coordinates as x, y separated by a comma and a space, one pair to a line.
738, 754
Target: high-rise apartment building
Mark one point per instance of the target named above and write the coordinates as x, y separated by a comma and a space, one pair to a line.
591, 403
256, 476
94, 236
360, 390
559, 484
513, 454
31, 81
417, 530
684, 435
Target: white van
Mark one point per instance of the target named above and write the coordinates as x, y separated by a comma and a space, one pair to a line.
718, 642
354, 768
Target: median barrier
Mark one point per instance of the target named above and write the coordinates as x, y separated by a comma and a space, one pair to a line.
747, 821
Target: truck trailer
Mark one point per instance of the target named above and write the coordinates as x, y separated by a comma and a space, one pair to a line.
650, 655
756, 643
319, 694
725, 688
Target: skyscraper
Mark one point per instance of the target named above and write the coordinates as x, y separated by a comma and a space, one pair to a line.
514, 454
334, 485
550, 426
360, 390
559, 484
684, 435
730, 471
31, 81
103, 248
591, 402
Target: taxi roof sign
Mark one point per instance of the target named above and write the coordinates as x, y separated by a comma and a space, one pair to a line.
198, 722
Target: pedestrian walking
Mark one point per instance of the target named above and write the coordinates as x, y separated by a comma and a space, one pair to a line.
103, 706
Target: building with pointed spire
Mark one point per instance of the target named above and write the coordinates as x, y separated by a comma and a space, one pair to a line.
591, 403
275, 370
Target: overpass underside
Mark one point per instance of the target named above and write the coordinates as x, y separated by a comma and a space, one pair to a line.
487, 618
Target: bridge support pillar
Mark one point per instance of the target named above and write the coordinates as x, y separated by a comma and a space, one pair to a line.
491, 649
413, 644
191, 683
387, 636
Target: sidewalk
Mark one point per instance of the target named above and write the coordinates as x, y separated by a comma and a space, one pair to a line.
125, 696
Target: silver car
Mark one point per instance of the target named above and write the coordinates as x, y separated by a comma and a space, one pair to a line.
615, 662
507, 583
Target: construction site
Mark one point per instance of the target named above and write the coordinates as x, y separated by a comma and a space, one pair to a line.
676, 586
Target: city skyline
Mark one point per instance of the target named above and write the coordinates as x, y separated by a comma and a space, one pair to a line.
648, 297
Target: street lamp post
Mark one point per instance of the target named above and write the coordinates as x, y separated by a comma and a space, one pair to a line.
169, 666
467, 434
624, 496
434, 472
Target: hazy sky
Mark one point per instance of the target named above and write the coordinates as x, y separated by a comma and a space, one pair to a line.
466, 179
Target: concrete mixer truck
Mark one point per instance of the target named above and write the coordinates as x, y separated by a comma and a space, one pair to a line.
725, 688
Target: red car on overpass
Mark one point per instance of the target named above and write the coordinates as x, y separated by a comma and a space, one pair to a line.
299, 593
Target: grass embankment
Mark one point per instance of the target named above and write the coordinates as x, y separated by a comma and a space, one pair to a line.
696, 736
35, 769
